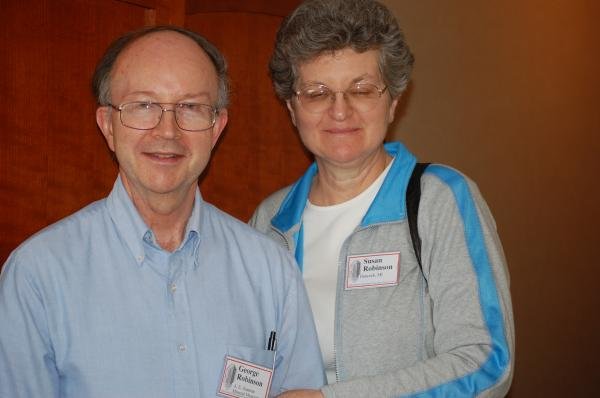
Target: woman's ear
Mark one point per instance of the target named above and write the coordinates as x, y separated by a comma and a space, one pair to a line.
290, 107
392, 109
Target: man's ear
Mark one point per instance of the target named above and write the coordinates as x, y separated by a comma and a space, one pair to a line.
104, 121
220, 123
290, 107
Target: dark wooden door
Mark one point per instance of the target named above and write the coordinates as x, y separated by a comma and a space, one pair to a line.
260, 150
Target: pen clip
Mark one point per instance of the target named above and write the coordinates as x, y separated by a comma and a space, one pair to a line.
272, 342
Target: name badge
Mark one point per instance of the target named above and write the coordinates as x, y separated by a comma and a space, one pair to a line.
372, 270
244, 379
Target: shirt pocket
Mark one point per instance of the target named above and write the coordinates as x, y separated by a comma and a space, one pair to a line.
256, 356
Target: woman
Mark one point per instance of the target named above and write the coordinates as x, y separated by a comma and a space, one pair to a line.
387, 327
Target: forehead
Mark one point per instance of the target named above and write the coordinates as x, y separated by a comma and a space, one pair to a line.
165, 62
341, 66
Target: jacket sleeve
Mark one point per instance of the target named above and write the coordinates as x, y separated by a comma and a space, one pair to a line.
27, 367
473, 344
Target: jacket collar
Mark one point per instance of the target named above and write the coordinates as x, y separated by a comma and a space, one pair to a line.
388, 206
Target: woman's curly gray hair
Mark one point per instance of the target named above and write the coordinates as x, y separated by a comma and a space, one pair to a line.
320, 26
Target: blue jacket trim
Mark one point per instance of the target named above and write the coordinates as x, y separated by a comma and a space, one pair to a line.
388, 205
292, 207
299, 254
494, 367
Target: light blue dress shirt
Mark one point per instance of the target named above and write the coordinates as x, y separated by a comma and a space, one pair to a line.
92, 307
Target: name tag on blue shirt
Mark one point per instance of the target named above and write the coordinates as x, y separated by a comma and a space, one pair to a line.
244, 379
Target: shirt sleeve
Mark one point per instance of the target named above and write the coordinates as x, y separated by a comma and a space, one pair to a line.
27, 367
471, 311
298, 362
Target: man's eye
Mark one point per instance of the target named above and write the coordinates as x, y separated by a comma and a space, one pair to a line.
188, 106
141, 106
138, 107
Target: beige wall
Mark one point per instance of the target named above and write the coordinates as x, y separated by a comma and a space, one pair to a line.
508, 92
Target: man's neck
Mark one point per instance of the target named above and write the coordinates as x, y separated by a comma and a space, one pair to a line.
165, 214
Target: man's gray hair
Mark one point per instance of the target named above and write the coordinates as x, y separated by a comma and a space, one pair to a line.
321, 26
102, 75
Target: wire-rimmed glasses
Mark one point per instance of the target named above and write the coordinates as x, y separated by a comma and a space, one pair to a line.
317, 98
144, 115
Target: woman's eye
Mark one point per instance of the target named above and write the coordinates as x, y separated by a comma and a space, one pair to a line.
361, 91
318, 94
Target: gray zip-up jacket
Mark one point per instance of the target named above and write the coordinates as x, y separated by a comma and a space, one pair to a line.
444, 332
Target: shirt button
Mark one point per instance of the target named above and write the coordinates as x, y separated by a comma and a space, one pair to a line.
173, 287
182, 347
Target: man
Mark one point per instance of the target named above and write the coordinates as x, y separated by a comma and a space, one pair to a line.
152, 292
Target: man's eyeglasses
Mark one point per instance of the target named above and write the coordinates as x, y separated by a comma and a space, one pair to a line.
317, 98
147, 115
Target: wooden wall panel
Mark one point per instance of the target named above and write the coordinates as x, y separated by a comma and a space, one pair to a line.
260, 150
53, 160
279, 8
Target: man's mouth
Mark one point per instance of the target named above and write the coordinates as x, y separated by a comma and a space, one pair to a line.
164, 157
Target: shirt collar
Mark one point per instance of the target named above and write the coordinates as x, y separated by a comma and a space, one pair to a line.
193, 228
132, 228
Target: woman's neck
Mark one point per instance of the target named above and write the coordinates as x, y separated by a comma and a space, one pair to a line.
335, 184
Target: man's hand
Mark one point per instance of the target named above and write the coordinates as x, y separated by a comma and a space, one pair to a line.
301, 394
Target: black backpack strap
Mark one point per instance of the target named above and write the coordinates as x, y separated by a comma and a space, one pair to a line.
413, 196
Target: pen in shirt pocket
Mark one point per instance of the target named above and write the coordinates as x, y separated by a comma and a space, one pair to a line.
272, 342
272, 345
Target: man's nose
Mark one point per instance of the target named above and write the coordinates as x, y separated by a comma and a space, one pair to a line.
167, 126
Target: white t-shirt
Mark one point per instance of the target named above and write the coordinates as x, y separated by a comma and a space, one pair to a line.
325, 230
